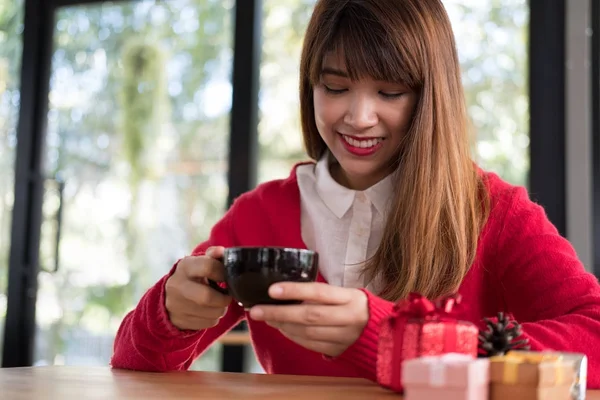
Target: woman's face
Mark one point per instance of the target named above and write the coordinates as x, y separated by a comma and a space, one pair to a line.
362, 122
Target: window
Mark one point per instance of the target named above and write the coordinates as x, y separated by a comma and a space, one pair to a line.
11, 28
492, 45
136, 162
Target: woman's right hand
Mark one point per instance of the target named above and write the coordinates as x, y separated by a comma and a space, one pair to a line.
192, 304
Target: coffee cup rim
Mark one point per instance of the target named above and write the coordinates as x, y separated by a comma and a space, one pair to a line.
280, 248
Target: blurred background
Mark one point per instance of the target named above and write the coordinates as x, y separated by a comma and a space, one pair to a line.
127, 127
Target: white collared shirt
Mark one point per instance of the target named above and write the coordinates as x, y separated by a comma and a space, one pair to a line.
344, 226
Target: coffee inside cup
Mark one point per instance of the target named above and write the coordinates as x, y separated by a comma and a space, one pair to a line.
250, 271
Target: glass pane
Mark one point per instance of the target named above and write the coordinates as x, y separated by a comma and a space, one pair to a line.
136, 162
279, 129
492, 46
492, 42
11, 29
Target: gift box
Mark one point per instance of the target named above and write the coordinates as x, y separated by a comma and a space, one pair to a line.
521, 375
579, 364
419, 327
450, 376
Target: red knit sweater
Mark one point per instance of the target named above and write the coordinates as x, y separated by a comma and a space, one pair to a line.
523, 266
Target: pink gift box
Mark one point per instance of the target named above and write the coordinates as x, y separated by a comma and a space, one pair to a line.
450, 377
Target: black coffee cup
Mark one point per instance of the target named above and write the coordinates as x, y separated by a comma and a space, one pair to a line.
250, 271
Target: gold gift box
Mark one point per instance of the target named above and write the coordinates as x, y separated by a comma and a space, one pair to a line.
579, 364
523, 375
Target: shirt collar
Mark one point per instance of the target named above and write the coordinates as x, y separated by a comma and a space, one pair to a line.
339, 199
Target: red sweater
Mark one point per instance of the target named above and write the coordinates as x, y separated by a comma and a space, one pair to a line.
523, 266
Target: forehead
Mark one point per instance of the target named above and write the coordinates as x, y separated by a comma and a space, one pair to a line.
358, 60
334, 60
334, 64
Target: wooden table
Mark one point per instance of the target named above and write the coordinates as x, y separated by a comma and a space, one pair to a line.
67, 383
50, 383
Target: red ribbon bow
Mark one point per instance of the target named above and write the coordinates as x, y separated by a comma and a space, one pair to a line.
419, 306
393, 344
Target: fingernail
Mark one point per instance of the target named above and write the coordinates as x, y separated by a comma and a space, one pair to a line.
275, 290
256, 313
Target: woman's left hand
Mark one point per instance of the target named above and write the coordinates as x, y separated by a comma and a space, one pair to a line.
329, 320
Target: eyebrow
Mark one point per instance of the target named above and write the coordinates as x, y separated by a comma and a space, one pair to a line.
333, 71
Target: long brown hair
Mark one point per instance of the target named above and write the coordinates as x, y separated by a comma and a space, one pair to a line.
440, 202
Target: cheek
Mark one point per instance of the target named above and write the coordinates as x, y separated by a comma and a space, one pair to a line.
327, 111
399, 121
320, 110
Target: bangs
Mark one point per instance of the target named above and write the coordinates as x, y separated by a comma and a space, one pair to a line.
365, 48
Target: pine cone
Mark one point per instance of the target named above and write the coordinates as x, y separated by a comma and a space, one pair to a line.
502, 335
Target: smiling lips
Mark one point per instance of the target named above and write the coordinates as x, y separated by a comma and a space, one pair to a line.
361, 146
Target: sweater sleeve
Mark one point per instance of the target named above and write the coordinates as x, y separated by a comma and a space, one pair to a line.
148, 341
546, 287
363, 352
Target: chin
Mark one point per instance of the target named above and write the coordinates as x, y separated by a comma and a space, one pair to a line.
358, 169
361, 172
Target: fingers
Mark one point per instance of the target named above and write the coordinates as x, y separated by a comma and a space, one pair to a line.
313, 292
329, 334
188, 310
186, 302
194, 323
194, 306
202, 295
330, 349
200, 267
189, 301
209, 313
304, 314
215, 252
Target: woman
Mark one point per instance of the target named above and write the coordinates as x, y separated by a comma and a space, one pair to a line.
393, 204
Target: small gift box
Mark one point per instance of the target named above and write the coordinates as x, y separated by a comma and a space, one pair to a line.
419, 327
580, 365
521, 375
577, 361
451, 377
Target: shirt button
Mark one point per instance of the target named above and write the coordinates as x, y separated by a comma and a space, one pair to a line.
361, 197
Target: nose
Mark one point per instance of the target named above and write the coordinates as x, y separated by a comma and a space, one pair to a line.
361, 113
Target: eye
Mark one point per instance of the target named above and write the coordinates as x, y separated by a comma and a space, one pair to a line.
333, 91
391, 95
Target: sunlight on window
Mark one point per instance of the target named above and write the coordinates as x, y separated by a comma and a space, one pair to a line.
11, 28
492, 46
138, 131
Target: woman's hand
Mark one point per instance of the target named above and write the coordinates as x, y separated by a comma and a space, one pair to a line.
191, 304
329, 320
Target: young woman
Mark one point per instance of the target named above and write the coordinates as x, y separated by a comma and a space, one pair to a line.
393, 204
